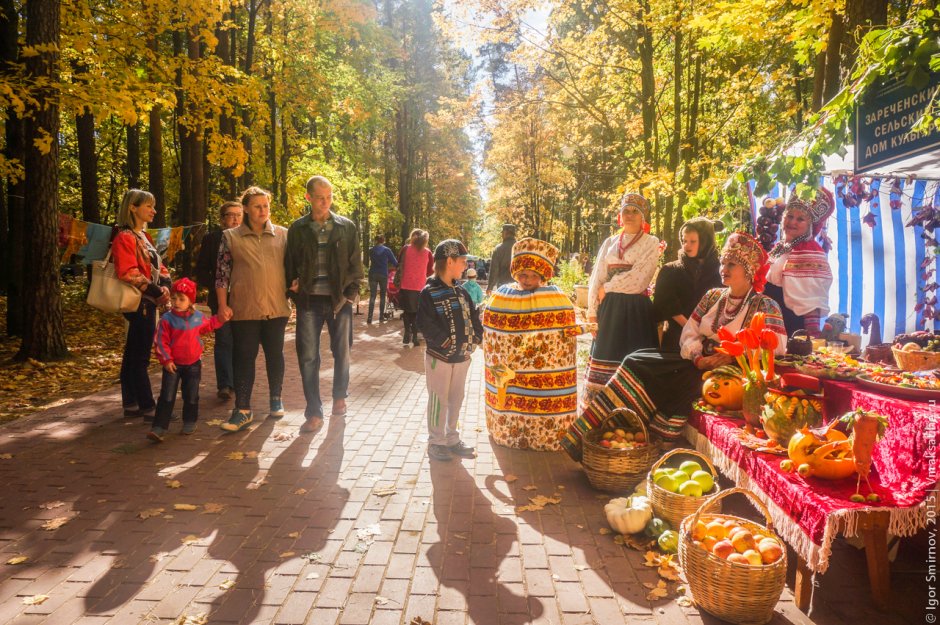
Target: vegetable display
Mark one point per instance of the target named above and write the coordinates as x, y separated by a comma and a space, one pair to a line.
628, 515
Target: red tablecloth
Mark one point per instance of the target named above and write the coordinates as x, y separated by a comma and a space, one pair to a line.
810, 515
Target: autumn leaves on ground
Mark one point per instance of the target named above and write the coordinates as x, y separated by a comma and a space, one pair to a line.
95, 341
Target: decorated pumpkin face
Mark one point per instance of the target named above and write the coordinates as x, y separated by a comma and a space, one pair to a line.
723, 391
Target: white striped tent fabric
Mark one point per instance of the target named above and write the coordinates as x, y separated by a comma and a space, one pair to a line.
877, 269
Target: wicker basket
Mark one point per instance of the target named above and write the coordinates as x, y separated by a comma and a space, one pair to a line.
617, 470
733, 592
673, 507
916, 360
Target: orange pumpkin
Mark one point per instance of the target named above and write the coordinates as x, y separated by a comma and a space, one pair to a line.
829, 456
723, 388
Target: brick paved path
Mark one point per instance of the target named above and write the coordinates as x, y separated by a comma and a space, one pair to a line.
298, 524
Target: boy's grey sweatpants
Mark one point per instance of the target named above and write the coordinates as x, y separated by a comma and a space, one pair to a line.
446, 384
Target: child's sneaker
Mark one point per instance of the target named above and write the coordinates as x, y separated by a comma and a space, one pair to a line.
156, 434
188, 427
238, 421
439, 452
277, 408
461, 450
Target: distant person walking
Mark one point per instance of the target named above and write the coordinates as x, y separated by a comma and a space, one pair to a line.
415, 264
230, 216
472, 287
502, 257
379, 259
323, 267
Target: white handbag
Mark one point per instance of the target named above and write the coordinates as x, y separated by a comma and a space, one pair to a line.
107, 292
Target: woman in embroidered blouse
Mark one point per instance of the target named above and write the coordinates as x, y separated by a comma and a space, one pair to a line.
799, 276
681, 284
618, 297
662, 386
137, 262
415, 264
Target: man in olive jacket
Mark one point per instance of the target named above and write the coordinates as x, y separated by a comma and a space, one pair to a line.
323, 267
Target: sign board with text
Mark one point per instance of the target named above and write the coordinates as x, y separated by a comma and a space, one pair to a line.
883, 125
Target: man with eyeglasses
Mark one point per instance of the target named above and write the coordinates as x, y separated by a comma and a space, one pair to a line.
230, 216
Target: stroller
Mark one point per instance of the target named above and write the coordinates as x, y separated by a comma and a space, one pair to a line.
391, 299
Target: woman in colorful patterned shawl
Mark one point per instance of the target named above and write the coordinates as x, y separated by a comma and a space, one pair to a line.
660, 387
529, 344
799, 276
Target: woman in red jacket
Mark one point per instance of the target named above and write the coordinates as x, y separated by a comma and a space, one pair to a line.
137, 262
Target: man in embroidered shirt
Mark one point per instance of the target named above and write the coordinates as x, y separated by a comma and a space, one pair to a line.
323, 268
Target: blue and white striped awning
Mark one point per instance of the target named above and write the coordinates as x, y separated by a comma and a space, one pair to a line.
878, 269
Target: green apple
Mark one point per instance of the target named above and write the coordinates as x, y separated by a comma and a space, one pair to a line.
681, 476
705, 480
690, 466
667, 482
691, 489
661, 471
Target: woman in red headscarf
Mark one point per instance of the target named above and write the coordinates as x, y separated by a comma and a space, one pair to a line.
660, 387
799, 276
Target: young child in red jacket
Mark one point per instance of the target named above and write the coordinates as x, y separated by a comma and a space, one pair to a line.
179, 349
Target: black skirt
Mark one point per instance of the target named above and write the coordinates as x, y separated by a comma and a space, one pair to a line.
624, 325
408, 300
672, 382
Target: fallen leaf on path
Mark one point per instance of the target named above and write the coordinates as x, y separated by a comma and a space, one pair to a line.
618, 539
184, 506
17, 559
385, 492
510, 478
581, 567
236, 455
313, 575
312, 557
193, 619
560, 488
538, 503
173, 484
287, 554
685, 602
6, 456
294, 535
214, 423
657, 591
300, 491
419, 621
530, 487
603, 531
639, 542
35, 599
283, 436
251, 454
189, 540
52, 505
227, 584
669, 569
213, 508
56, 523
461, 536
380, 600
158, 556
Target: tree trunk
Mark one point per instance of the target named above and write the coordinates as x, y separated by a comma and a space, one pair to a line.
184, 208
861, 16
834, 57
647, 84
43, 334
156, 183
133, 156
285, 157
12, 231
199, 196
819, 81
88, 165
225, 50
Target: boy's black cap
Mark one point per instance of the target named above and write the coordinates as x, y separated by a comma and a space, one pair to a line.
449, 248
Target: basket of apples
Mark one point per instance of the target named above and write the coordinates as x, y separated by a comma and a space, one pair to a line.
676, 489
618, 453
736, 568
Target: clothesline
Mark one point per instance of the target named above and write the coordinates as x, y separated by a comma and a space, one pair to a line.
90, 241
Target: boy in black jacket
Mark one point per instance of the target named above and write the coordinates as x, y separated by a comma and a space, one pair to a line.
450, 323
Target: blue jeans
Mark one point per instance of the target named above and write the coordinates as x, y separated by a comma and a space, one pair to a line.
224, 377
189, 375
135, 379
311, 315
380, 284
